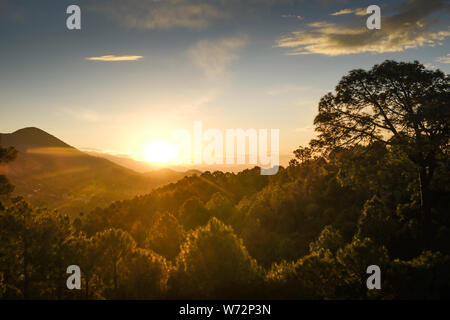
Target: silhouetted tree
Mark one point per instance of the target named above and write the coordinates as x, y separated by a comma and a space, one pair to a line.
166, 236
193, 213
146, 275
6, 155
18, 237
115, 246
403, 105
214, 264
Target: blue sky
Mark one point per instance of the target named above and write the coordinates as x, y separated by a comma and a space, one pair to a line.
231, 64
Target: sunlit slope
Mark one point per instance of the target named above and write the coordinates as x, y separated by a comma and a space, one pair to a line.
51, 173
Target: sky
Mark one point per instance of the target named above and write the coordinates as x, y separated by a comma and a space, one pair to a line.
138, 70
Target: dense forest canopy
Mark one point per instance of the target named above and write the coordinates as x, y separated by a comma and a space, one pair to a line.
372, 188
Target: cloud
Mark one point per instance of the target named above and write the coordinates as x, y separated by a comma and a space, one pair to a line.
113, 58
161, 14
214, 56
11, 12
358, 12
291, 16
188, 14
189, 103
411, 27
430, 66
83, 115
89, 115
444, 59
107, 152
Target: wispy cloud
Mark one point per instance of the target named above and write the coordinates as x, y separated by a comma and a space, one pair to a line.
83, 115
90, 115
430, 66
113, 58
411, 27
187, 14
358, 12
291, 16
214, 56
11, 12
190, 103
444, 59
164, 14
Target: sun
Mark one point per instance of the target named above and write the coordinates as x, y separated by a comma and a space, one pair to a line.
159, 152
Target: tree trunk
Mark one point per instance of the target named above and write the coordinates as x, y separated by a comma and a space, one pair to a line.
115, 280
87, 287
25, 270
60, 281
425, 176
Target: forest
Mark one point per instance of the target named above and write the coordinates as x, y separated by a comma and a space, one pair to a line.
371, 189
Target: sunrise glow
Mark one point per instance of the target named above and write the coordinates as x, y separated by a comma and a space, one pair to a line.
159, 151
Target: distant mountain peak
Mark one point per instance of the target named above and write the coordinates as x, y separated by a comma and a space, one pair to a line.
28, 130
31, 137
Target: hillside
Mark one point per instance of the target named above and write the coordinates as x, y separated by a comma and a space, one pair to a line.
51, 173
123, 160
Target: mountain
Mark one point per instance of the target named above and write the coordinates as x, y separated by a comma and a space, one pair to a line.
49, 172
29, 138
123, 160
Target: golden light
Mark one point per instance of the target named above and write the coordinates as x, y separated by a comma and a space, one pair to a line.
160, 152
